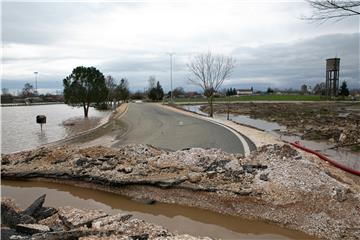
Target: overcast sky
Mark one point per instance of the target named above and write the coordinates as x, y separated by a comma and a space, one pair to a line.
272, 46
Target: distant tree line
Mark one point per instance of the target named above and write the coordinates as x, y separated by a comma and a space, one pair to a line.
231, 92
319, 89
177, 92
29, 95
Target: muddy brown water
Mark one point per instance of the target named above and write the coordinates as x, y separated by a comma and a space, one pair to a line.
176, 218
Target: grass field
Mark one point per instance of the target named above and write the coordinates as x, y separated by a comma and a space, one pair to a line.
257, 98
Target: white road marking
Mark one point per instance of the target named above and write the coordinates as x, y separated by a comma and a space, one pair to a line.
240, 137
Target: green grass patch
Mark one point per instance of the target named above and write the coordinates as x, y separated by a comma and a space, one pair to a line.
273, 97
355, 148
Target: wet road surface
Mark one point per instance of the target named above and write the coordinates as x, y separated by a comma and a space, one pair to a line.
148, 123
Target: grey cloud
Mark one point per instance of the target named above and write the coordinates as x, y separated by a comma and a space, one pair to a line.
135, 64
290, 65
32, 22
45, 22
277, 65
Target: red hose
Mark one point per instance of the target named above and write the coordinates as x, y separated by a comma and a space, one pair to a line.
347, 169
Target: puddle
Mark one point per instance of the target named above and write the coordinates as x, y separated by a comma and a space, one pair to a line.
174, 217
257, 123
243, 119
194, 108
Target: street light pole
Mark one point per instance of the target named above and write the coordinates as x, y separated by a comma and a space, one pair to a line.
36, 74
171, 82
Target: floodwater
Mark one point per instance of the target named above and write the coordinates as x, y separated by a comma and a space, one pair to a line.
343, 157
243, 119
19, 130
174, 217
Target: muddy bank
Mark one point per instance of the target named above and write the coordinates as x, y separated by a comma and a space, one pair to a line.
276, 183
41, 222
334, 122
76, 125
105, 133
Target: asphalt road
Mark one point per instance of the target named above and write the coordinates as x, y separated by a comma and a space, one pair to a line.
148, 123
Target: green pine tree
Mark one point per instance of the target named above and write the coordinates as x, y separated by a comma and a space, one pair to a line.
344, 91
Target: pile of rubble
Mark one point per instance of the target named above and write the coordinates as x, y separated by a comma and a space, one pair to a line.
275, 183
39, 222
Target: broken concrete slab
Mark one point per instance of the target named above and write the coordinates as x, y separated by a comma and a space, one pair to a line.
71, 234
10, 215
32, 228
73, 217
44, 212
110, 222
35, 206
54, 222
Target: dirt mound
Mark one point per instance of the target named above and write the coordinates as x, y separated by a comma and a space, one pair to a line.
275, 183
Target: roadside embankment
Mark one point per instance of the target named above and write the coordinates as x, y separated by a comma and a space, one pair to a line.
334, 122
340, 156
96, 133
275, 183
40, 222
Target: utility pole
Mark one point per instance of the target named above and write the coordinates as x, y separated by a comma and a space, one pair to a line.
36, 75
171, 82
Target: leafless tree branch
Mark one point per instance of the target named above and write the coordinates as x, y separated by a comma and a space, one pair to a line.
209, 71
324, 10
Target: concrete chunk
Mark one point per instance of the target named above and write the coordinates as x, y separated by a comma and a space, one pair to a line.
35, 206
44, 212
110, 222
10, 215
73, 217
32, 228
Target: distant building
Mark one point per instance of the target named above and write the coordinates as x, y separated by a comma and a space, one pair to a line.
193, 95
245, 91
33, 100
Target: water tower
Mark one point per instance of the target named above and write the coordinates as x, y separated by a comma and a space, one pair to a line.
332, 76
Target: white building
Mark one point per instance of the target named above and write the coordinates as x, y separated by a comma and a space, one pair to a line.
245, 91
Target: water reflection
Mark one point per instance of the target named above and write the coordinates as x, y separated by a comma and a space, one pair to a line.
19, 130
174, 217
42, 138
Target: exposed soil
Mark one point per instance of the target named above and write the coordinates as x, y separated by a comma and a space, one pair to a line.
335, 122
276, 183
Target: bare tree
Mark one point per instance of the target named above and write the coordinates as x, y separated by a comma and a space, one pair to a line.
209, 71
111, 85
151, 82
324, 10
28, 90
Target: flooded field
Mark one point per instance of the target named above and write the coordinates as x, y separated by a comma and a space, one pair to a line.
19, 130
243, 119
175, 218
